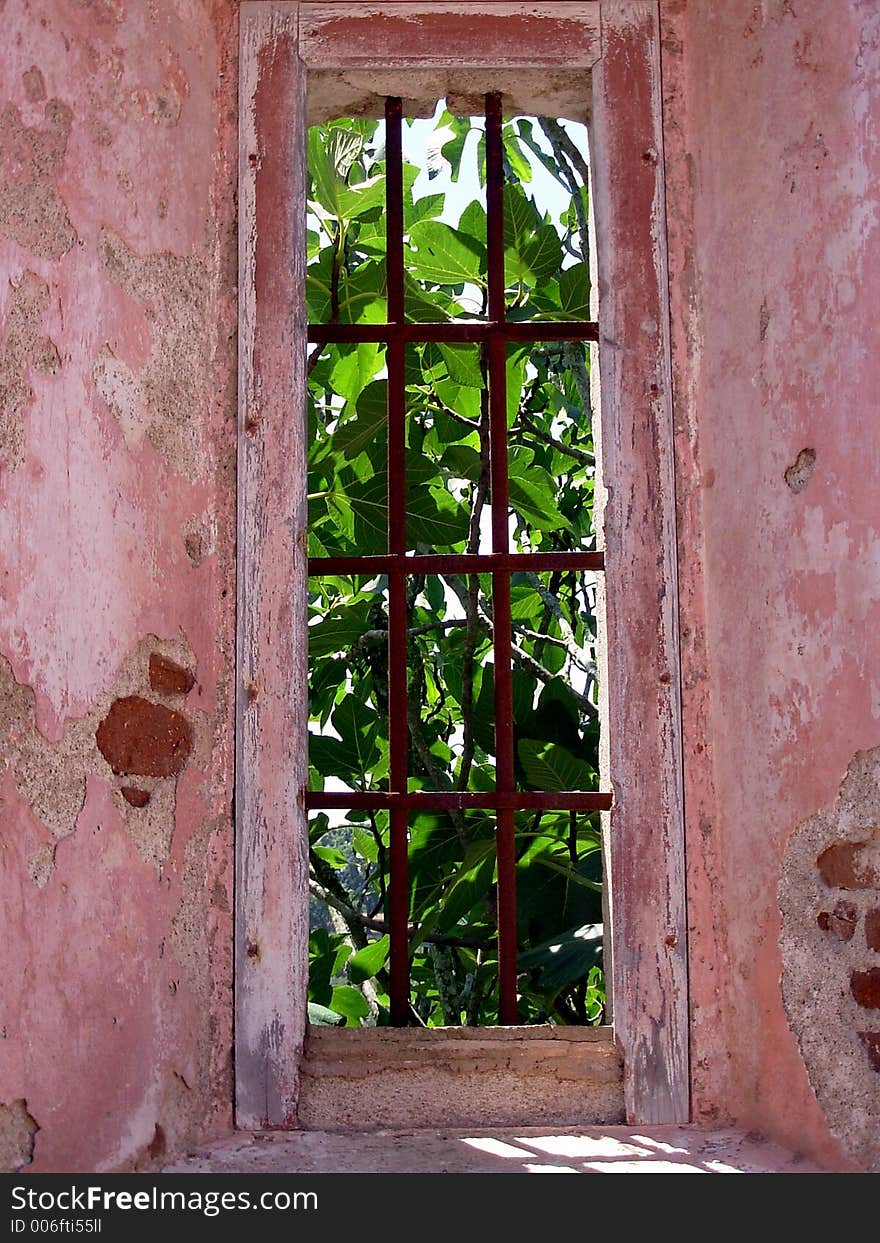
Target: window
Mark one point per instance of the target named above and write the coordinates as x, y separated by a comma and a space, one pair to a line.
395, 417
614, 62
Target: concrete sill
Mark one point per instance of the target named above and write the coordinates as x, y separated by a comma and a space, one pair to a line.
371, 1078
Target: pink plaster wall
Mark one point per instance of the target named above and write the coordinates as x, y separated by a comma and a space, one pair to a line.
772, 116
117, 409
117, 401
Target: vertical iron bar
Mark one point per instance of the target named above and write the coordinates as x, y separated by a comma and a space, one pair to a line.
397, 655
497, 359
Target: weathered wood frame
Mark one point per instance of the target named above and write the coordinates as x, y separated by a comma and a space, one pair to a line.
615, 42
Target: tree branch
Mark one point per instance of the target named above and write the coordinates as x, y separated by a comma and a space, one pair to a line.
376, 923
579, 455
570, 161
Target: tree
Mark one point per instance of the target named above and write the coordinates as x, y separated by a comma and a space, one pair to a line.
450, 677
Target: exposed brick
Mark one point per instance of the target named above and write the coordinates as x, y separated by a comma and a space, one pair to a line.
871, 1041
872, 929
134, 796
192, 542
865, 986
157, 1145
841, 921
844, 866
168, 677
144, 738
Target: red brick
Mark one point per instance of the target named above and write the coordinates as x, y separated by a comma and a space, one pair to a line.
865, 986
168, 677
844, 866
872, 930
841, 921
871, 1041
144, 738
134, 796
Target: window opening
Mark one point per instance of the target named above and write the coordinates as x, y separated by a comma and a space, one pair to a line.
504, 585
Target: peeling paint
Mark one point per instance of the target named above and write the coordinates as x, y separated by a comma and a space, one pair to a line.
24, 346
141, 736
50, 776
774, 251
17, 1131
163, 400
118, 145
32, 211
34, 85
799, 474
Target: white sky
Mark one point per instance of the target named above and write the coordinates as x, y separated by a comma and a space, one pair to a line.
546, 191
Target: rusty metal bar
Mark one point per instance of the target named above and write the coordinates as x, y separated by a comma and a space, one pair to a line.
456, 330
460, 563
398, 728
501, 636
459, 800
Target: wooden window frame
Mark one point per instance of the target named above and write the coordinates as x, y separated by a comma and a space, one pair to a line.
616, 45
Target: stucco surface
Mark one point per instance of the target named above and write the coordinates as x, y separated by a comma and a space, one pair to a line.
117, 403
773, 156
117, 374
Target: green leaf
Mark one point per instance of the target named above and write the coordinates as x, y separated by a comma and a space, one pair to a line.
469, 885
349, 1002
366, 962
320, 1016
463, 364
333, 758
353, 369
355, 752
433, 517
427, 208
335, 858
322, 952
533, 251
541, 256
473, 220
550, 767
355, 201
335, 633
565, 959
464, 401
361, 292
525, 132
365, 844
445, 256
369, 426
571, 874
516, 371
518, 162
331, 153
427, 305
463, 462
453, 149
574, 292
531, 491
521, 218
362, 295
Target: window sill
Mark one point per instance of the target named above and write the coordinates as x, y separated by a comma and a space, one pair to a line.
369, 1078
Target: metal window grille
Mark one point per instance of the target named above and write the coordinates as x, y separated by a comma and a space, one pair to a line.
495, 332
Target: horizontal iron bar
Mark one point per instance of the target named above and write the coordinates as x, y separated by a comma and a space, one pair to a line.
459, 563
460, 330
459, 800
